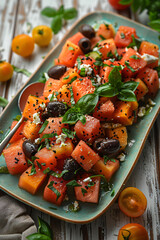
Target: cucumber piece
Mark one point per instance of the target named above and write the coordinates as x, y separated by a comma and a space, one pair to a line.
94, 54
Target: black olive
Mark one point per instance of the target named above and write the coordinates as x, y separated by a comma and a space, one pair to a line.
57, 71
85, 45
71, 165
87, 31
29, 148
106, 146
56, 109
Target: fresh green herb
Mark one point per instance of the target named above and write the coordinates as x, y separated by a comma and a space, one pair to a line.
33, 169
155, 24
43, 126
58, 16
72, 97
3, 102
135, 57
103, 38
52, 97
75, 172
73, 79
90, 184
110, 54
47, 170
113, 193
43, 164
83, 191
58, 175
66, 77
122, 35
4, 170
71, 49
99, 62
136, 42
47, 143
128, 66
42, 78
50, 135
115, 87
17, 118
50, 186
44, 231
73, 208
158, 70
39, 165
68, 133
34, 158
125, 2
73, 183
23, 70
82, 72
106, 158
117, 55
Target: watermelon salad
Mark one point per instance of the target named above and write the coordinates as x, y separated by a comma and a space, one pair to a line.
75, 134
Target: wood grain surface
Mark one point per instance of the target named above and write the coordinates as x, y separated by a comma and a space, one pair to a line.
14, 15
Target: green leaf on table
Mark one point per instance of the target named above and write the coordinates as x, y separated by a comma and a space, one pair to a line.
22, 70
155, 24
127, 95
51, 187
49, 12
60, 11
44, 228
38, 236
3, 102
56, 24
70, 13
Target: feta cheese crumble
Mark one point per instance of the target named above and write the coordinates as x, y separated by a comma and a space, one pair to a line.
42, 105
87, 67
98, 79
37, 140
46, 76
36, 118
131, 142
50, 96
149, 58
151, 102
121, 157
61, 139
141, 111
88, 179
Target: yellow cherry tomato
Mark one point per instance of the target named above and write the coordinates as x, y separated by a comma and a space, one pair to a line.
6, 71
42, 35
23, 45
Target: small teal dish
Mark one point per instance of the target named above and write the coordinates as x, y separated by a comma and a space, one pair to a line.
138, 132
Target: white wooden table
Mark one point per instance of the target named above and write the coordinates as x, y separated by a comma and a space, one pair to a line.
14, 14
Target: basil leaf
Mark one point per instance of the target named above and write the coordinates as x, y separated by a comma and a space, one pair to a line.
106, 90
68, 133
50, 135
49, 12
128, 66
82, 72
70, 13
23, 70
127, 95
87, 103
73, 79
66, 77
4, 170
155, 24
72, 116
71, 49
131, 85
110, 54
47, 170
135, 42
50, 186
33, 170
58, 175
73, 183
3, 102
82, 119
99, 62
44, 228
115, 78
56, 24
43, 126
60, 11
38, 236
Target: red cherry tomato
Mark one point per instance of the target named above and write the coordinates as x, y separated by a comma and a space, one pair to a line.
133, 231
132, 202
115, 4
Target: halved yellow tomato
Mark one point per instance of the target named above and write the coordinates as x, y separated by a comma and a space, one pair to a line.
133, 231
132, 202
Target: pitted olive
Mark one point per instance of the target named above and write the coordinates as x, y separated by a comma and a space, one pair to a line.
29, 148
56, 109
57, 71
85, 45
87, 31
71, 165
106, 146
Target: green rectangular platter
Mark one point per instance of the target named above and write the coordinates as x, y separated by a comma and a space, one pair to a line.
138, 132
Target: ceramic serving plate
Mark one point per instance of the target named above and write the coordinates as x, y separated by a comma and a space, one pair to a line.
138, 132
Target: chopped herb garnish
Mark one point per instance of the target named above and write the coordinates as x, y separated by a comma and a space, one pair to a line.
103, 38
71, 48
110, 54
39, 165
69, 133
82, 72
135, 42
50, 135
83, 191
73, 183
135, 57
24, 71
33, 169
127, 64
50, 186
43, 126
113, 193
66, 77
73, 79
99, 62
47, 170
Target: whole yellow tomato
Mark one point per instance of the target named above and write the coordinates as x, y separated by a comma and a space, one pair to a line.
42, 35
133, 231
23, 45
6, 71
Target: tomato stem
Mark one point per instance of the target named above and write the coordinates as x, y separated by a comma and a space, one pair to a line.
126, 237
